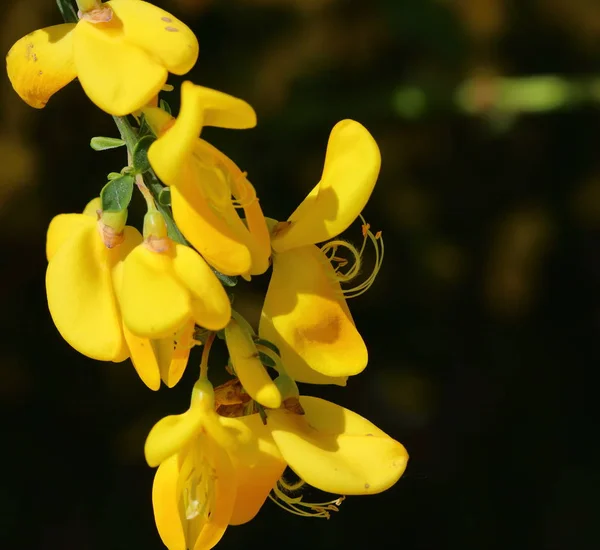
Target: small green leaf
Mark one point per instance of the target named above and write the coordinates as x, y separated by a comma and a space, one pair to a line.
266, 360
113, 175
102, 143
164, 197
262, 413
164, 106
141, 163
67, 11
145, 129
116, 194
267, 344
226, 280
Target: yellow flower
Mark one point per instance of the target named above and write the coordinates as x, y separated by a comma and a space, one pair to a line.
203, 181
167, 286
79, 285
213, 471
121, 53
305, 312
217, 470
83, 281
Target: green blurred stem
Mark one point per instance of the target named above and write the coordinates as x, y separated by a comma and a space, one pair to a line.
129, 136
67, 11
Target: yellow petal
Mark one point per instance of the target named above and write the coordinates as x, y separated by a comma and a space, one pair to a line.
337, 450
351, 168
144, 358
63, 227
210, 304
157, 119
81, 297
208, 488
260, 245
92, 207
174, 352
199, 107
165, 500
224, 110
257, 462
41, 63
161, 35
248, 367
294, 364
116, 75
154, 302
219, 243
172, 433
257, 236
305, 310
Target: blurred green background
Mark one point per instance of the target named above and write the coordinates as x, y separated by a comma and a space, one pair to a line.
482, 326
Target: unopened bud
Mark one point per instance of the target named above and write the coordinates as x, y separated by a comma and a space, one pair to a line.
111, 226
248, 367
155, 232
94, 11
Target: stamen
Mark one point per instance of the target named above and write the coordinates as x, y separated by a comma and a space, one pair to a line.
243, 191
197, 494
330, 250
296, 506
236, 188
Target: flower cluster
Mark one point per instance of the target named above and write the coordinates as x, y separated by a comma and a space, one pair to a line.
115, 293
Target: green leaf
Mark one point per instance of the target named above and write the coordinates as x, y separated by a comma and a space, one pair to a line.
226, 280
164, 106
67, 11
267, 344
266, 360
164, 197
145, 129
141, 163
114, 175
116, 194
101, 143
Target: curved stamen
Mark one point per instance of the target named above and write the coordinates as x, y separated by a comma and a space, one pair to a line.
296, 506
235, 183
330, 249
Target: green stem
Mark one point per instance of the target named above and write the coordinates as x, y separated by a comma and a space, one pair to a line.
128, 134
155, 188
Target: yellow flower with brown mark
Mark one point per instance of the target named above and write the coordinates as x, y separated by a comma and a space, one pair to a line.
305, 313
121, 52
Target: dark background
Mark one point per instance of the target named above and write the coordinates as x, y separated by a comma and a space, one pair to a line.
483, 324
